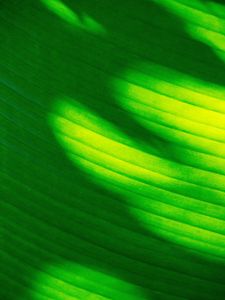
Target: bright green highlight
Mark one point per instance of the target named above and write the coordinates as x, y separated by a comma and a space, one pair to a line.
168, 105
177, 86
213, 39
202, 20
92, 25
68, 281
176, 201
194, 12
65, 13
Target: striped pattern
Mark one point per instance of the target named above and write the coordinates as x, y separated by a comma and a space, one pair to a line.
168, 195
140, 212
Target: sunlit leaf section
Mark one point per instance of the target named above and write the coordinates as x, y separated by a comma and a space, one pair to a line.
83, 22
62, 11
203, 20
70, 281
181, 203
